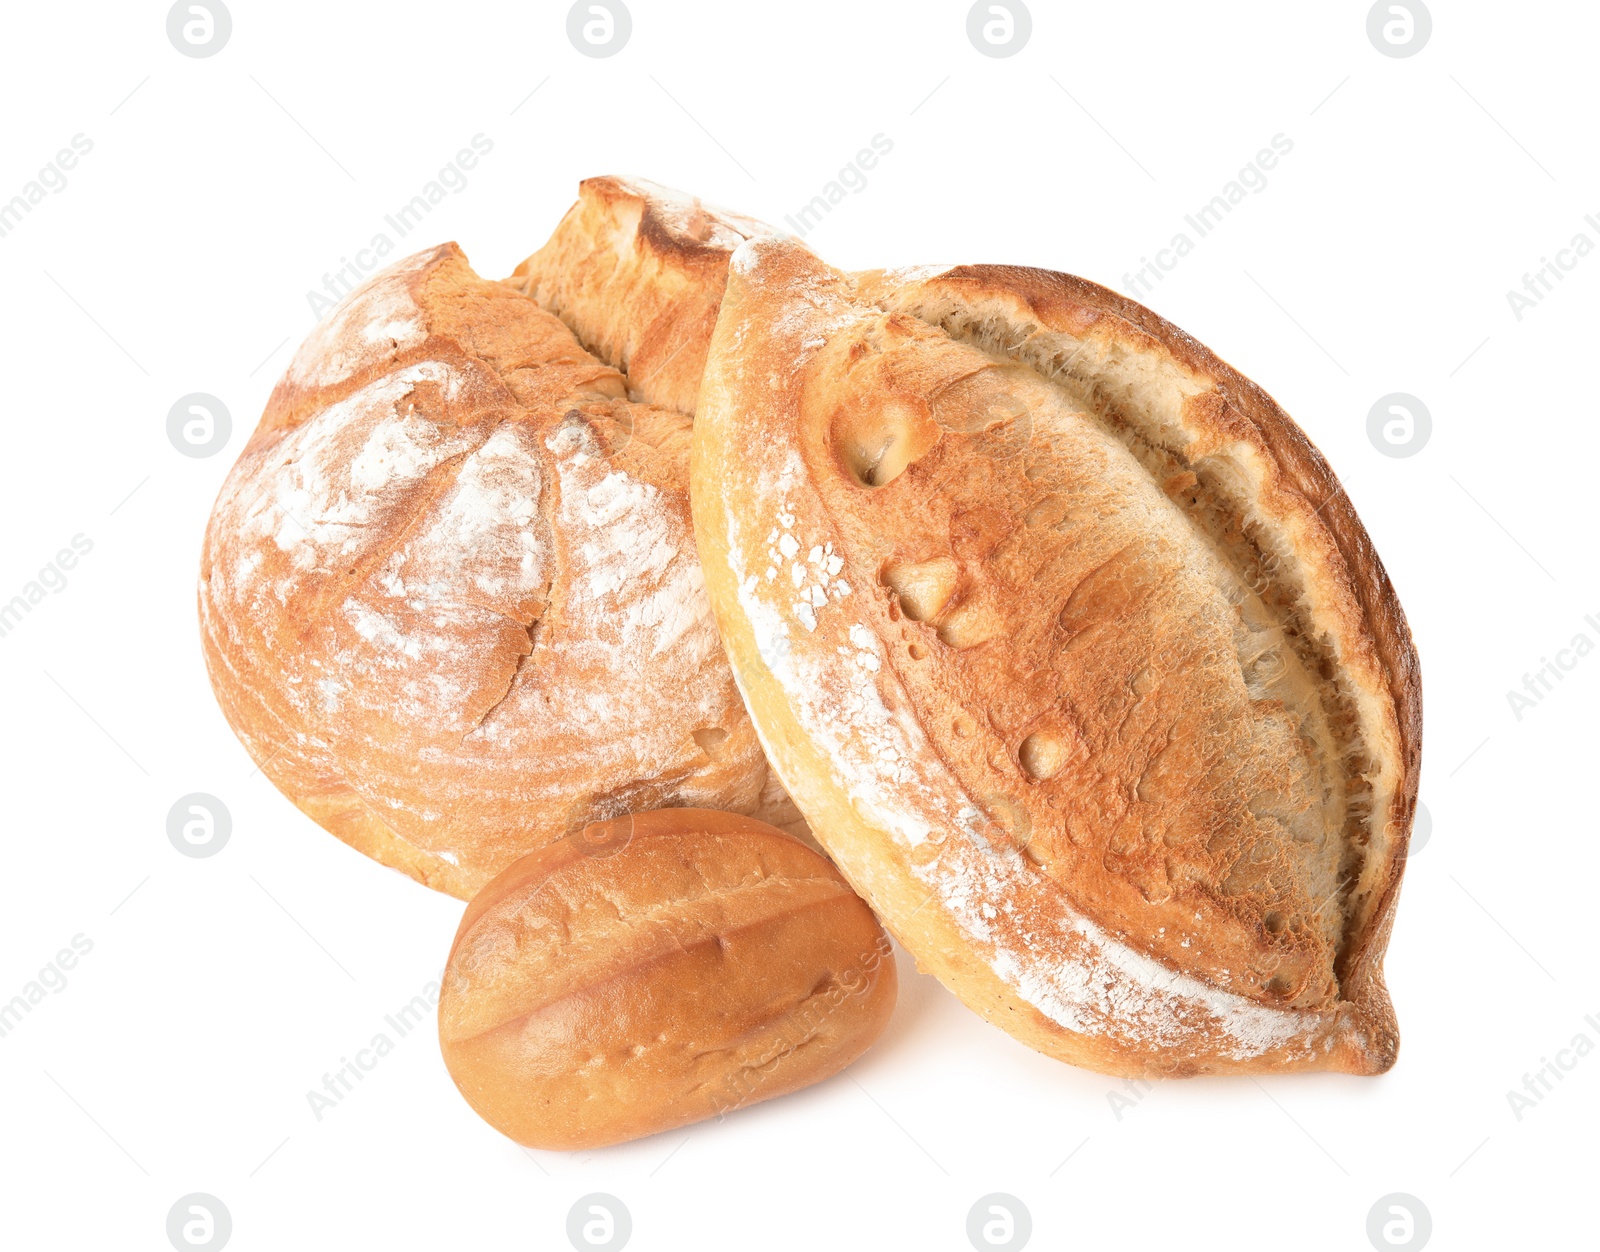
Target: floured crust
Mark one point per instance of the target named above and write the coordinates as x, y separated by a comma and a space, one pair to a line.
637, 270
449, 594
1072, 652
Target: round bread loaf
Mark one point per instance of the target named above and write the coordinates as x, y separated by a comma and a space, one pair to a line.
656, 970
1073, 652
449, 596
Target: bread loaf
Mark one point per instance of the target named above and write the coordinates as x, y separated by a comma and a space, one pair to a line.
1073, 652
449, 596
656, 970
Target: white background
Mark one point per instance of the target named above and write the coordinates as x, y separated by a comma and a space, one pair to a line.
177, 259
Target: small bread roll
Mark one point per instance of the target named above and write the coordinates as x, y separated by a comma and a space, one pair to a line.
657, 970
449, 596
1074, 653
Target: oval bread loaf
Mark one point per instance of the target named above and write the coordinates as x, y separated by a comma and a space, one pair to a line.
1073, 652
656, 970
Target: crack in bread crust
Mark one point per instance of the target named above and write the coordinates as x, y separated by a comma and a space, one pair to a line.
1094, 344
1199, 790
1264, 582
637, 271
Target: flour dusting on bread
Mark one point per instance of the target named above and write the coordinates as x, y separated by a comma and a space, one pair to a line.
1064, 966
451, 601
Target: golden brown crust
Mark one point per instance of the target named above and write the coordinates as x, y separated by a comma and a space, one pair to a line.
1116, 730
1361, 598
657, 970
449, 596
1058, 298
637, 271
